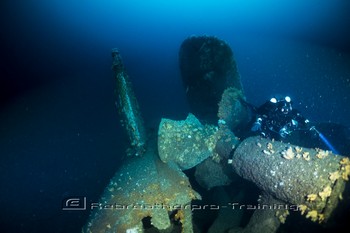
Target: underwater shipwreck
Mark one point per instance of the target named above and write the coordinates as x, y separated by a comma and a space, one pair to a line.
270, 184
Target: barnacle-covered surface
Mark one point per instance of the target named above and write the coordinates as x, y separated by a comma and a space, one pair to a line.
143, 187
186, 143
311, 178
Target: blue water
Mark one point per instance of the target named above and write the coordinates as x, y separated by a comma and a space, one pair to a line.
59, 129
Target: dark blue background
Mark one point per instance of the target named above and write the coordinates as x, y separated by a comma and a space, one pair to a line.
59, 129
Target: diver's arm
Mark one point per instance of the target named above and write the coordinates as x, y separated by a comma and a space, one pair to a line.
257, 124
302, 122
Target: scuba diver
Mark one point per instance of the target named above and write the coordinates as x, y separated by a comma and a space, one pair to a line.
277, 119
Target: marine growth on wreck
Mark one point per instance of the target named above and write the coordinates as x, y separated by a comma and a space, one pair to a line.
154, 192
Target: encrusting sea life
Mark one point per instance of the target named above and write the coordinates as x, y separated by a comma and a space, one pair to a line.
288, 154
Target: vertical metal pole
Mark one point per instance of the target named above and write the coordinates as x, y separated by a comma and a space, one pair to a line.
128, 106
